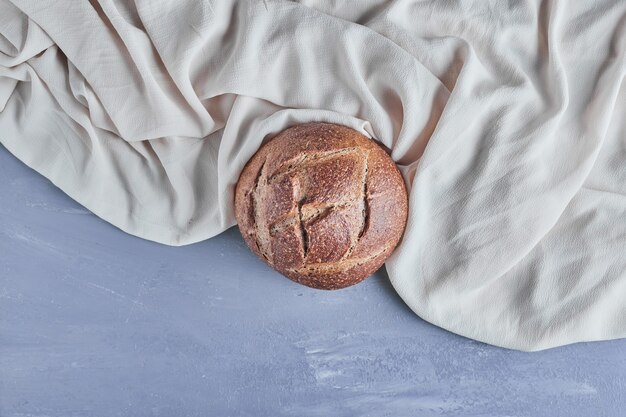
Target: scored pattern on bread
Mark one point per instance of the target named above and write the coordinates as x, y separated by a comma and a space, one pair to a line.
330, 267
307, 214
310, 159
322, 204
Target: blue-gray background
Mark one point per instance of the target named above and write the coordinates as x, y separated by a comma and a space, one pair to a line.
95, 322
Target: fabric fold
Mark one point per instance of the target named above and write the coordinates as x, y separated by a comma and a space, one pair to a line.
506, 120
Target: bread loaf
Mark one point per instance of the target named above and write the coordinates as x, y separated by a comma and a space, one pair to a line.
321, 204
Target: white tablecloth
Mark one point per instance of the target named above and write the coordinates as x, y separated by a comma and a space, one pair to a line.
506, 118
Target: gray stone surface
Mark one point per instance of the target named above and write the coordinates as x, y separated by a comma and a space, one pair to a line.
95, 322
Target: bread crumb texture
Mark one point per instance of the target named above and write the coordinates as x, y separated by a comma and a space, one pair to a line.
322, 204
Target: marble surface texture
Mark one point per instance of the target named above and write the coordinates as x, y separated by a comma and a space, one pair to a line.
95, 322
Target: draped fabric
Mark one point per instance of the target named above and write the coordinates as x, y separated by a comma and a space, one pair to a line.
507, 119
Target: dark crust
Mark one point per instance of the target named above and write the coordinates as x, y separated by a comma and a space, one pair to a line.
335, 170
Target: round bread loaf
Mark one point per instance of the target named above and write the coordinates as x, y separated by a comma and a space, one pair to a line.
321, 204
